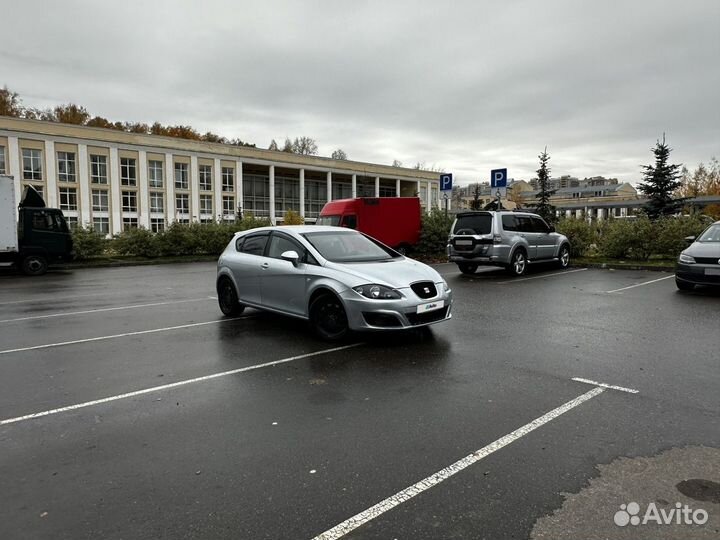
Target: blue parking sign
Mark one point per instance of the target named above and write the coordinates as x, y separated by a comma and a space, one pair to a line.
498, 178
446, 182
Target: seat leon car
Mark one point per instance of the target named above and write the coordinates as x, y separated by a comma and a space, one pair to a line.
699, 263
338, 279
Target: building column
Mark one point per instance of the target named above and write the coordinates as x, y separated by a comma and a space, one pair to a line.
144, 195
51, 193
84, 180
428, 195
194, 189
568, 214
417, 190
217, 190
169, 188
354, 186
15, 167
239, 187
600, 214
329, 186
302, 193
271, 188
623, 212
377, 186
114, 179
397, 187
578, 214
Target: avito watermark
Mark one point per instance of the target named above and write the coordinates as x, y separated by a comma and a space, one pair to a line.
680, 514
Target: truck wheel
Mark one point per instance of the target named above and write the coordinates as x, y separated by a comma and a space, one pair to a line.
34, 265
467, 268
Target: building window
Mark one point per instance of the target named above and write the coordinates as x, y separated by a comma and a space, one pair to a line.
68, 199
100, 201
228, 205
205, 177
73, 222
157, 201
129, 223
98, 169
157, 225
423, 195
228, 179
182, 203
129, 201
315, 197
206, 204
66, 166
32, 164
101, 225
2, 160
181, 176
128, 172
155, 173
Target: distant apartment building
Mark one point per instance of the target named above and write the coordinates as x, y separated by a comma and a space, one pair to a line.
113, 180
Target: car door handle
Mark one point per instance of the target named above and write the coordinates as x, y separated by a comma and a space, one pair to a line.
265, 265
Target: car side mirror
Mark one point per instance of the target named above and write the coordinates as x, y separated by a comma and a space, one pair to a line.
291, 256
689, 239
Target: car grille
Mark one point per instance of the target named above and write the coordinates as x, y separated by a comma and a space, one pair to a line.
384, 320
428, 317
707, 260
424, 289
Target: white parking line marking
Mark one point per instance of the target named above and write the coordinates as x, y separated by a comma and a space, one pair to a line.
126, 334
100, 310
542, 276
640, 284
603, 385
172, 385
408, 493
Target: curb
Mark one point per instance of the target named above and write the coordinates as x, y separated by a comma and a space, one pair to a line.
625, 266
120, 263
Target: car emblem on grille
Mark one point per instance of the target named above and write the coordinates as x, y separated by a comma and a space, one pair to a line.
427, 290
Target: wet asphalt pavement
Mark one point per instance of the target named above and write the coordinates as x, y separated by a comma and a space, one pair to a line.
292, 449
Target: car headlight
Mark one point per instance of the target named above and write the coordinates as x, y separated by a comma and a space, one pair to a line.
687, 259
377, 292
445, 285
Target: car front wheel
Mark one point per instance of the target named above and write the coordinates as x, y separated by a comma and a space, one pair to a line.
228, 299
518, 263
564, 257
328, 318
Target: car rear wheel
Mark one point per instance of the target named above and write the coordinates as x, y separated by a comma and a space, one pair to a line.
564, 257
684, 285
34, 265
228, 299
518, 263
328, 318
467, 268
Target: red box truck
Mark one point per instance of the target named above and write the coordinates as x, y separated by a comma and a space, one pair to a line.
395, 221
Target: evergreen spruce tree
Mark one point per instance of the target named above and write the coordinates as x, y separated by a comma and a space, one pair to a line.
659, 183
543, 206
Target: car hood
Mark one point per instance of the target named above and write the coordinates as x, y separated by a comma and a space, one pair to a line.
397, 273
704, 249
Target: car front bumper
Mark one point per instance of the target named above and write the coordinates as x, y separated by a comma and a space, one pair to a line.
699, 274
367, 314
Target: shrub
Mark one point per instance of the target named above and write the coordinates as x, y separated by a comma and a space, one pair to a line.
293, 218
435, 228
88, 243
672, 232
580, 233
134, 242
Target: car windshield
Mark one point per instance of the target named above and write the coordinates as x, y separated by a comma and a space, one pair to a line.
711, 234
478, 223
348, 246
333, 221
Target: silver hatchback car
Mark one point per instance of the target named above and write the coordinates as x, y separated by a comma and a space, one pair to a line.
511, 240
337, 278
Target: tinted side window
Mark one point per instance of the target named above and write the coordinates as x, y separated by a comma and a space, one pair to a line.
509, 223
279, 244
350, 222
42, 221
525, 224
254, 245
540, 226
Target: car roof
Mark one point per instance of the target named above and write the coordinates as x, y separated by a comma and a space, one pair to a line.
297, 229
492, 212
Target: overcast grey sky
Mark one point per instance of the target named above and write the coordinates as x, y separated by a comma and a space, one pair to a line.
468, 86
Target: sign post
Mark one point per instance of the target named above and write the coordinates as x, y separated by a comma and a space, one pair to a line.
498, 184
445, 186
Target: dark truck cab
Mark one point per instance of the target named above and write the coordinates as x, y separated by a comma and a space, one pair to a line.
42, 236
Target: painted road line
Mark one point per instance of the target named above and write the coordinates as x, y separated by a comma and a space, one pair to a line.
542, 276
408, 493
126, 334
172, 385
101, 310
604, 385
641, 284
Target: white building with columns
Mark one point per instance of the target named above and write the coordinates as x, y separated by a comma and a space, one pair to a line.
112, 180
